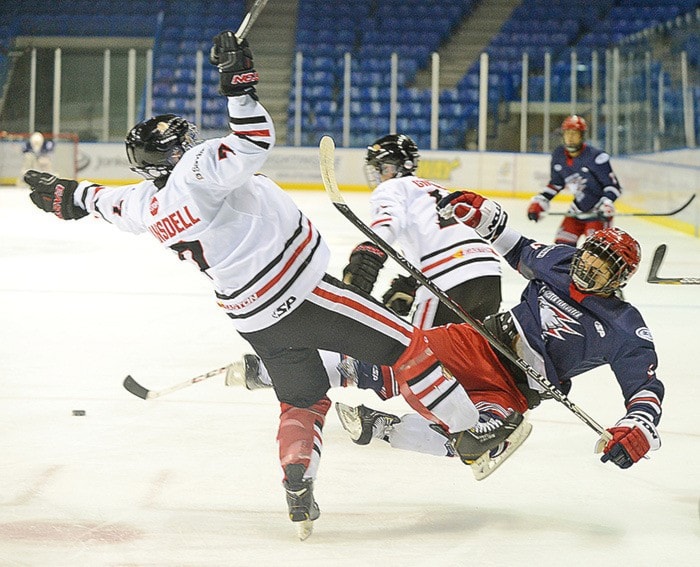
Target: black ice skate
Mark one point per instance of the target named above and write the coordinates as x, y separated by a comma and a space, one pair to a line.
363, 423
303, 509
490, 442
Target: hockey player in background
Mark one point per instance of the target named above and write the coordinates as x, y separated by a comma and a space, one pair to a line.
267, 262
37, 153
568, 321
586, 172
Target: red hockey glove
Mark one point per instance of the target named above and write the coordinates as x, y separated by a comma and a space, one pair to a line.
365, 262
486, 217
628, 445
539, 205
54, 195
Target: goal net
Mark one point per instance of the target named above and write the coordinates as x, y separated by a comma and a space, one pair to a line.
59, 156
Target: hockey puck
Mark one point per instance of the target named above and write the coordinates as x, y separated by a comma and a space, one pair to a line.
78, 412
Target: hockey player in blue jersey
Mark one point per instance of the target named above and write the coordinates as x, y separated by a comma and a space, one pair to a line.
586, 172
569, 321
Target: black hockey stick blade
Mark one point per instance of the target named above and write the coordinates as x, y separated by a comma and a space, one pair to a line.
600, 217
653, 277
135, 388
327, 161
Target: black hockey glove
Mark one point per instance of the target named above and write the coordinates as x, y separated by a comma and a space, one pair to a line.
400, 295
365, 262
54, 195
235, 62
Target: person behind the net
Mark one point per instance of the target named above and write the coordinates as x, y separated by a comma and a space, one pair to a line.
403, 211
267, 263
569, 321
37, 153
586, 172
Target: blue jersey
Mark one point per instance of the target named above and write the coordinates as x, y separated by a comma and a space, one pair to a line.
588, 176
574, 332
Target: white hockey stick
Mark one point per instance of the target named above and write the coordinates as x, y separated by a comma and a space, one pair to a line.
653, 277
234, 376
249, 19
327, 158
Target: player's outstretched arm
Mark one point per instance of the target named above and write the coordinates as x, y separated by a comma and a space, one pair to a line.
54, 195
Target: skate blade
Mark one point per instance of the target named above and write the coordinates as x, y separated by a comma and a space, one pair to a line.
350, 420
485, 465
235, 374
304, 529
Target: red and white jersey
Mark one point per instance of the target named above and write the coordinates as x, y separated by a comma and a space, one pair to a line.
239, 228
403, 210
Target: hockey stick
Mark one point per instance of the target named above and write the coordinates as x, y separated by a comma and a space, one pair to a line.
601, 217
249, 19
232, 377
327, 159
653, 277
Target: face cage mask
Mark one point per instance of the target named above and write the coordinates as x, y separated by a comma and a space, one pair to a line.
584, 274
157, 171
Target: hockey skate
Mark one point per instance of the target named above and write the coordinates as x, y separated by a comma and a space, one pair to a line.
363, 423
490, 442
248, 372
303, 509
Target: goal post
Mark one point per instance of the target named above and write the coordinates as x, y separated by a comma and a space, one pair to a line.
62, 159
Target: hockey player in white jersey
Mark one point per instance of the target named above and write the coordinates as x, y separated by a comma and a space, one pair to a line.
204, 202
403, 210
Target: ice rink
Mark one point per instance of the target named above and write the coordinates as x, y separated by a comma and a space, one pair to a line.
192, 479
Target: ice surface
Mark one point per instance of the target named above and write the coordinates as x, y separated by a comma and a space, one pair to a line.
192, 479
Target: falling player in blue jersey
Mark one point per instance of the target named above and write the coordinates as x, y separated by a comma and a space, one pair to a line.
568, 321
586, 172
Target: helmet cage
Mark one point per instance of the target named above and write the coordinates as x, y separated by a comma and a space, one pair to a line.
617, 249
154, 146
395, 155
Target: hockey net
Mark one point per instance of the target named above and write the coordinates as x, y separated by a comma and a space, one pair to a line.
62, 161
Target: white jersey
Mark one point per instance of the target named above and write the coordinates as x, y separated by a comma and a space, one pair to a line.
239, 228
403, 210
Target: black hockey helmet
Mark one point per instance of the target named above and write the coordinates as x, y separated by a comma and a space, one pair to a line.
155, 145
394, 154
606, 261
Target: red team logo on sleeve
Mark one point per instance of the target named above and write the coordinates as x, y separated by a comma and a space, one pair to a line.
153, 207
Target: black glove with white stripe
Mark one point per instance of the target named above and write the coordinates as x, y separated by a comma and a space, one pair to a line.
237, 76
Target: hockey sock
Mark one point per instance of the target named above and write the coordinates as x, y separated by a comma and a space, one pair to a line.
300, 437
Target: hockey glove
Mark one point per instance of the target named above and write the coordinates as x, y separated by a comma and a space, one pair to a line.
400, 295
486, 217
235, 62
632, 438
365, 262
54, 195
539, 205
605, 208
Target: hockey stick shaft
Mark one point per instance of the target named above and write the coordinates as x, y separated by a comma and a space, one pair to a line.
327, 159
249, 19
653, 277
144, 393
600, 217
